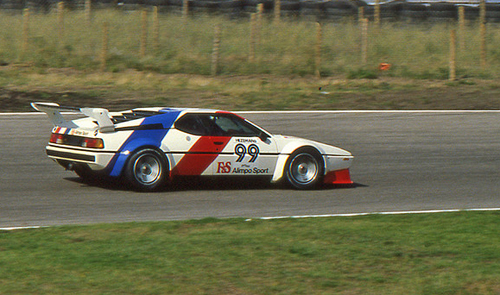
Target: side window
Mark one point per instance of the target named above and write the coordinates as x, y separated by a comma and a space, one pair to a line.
216, 125
190, 123
235, 126
227, 125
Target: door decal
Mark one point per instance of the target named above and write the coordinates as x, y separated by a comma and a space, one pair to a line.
201, 155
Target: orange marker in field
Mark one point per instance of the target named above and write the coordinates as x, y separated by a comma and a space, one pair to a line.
384, 66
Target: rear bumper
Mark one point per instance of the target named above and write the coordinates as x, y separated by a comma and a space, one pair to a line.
95, 160
70, 156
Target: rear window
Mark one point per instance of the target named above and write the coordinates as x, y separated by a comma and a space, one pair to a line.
191, 123
133, 115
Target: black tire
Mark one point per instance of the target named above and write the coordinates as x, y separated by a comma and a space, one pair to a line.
85, 173
88, 175
147, 170
304, 169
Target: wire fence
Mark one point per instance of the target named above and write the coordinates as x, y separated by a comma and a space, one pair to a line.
266, 41
431, 10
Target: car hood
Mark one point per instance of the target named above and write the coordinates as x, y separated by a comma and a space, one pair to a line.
284, 141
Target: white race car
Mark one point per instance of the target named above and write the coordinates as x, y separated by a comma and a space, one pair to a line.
150, 146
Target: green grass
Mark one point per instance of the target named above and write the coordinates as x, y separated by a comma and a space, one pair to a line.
288, 48
452, 253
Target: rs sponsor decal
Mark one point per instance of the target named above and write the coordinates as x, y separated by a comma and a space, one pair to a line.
223, 167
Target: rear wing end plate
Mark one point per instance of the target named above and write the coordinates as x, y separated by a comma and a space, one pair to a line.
53, 111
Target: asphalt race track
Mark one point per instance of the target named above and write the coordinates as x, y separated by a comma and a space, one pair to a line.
405, 161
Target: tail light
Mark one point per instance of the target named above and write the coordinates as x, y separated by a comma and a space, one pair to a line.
79, 141
93, 143
57, 138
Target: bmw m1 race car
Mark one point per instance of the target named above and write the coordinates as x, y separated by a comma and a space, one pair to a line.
148, 147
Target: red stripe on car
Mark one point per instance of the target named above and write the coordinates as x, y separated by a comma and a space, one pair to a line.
201, 155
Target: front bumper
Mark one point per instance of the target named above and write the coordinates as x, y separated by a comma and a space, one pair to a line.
337, 169
338, 177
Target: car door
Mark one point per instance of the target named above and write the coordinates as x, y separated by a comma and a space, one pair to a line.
190, 147
249, 150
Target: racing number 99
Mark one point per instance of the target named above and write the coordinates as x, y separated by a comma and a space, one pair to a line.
240, 150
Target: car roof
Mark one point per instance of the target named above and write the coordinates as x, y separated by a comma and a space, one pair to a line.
166, 110
154, 113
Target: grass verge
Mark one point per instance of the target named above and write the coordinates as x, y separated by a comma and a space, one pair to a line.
451, 253
129, 89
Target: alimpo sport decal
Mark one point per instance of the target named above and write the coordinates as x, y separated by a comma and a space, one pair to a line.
225, 168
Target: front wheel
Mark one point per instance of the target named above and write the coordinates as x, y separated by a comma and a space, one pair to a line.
147, 170
304, 169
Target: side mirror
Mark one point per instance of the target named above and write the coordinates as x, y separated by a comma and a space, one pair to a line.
263, 136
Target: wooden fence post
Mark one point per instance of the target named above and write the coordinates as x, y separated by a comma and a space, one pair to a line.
88, 11
482, 12
364, 41
251, 55
185, 9
482, 28
104, 48
319, 37
453, 39
277, 11
260, 12
60, 21
26, 32
144, 33
156, 30
461, 27
482, 32
216, 48
377, 15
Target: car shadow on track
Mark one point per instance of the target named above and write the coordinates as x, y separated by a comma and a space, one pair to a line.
205, 183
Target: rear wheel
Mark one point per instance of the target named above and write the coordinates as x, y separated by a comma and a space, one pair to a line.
85, 173
147, 170
304, 169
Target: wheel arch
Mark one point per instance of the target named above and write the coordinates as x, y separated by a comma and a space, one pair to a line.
288, 151
123, 157
152, 147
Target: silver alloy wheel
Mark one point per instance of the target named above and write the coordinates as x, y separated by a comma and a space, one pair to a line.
147, 169
304, 168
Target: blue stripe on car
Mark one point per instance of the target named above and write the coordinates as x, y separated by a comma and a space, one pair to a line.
143, 138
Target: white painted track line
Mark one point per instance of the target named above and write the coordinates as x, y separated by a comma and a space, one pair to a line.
320, 216
20, 227
381, 213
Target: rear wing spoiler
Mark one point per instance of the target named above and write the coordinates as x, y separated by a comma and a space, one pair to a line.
53, 111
